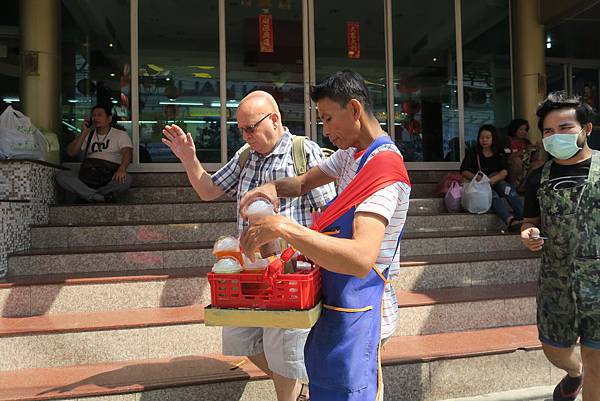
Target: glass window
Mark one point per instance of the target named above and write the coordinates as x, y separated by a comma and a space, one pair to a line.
555, 77
264, 52
10, 66
349, 35
95, 63
425, 94
486, 65
179, 77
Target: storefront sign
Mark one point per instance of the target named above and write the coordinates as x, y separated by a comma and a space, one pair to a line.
30, 63
353, 35
265, 33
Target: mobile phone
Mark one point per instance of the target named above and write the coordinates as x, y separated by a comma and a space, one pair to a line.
88, 122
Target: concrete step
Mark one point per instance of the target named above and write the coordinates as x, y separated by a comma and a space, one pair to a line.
181, 211
113, 258
185, 254
438, 243
180, 179
538, 393
467, 269
426, 368
92, 337
95, 234
98, 337
101, 213
466, 308
163, 194
22, 296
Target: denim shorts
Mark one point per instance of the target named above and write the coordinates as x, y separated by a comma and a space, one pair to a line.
283, 348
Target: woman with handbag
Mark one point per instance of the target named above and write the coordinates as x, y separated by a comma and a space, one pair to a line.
107, 154
486, 158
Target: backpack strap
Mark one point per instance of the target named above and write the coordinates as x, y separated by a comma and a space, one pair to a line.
244, 155
299, 154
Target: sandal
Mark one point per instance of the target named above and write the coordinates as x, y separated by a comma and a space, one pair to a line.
514, 224
568, 388
303, 396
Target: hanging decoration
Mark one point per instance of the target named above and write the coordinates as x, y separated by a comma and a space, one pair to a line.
265, 33
353, 37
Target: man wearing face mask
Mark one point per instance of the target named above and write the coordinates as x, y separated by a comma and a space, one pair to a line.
562, 219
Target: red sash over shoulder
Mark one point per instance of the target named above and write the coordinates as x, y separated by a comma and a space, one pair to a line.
383, 169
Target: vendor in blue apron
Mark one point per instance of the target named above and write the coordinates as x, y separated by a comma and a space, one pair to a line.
354, 245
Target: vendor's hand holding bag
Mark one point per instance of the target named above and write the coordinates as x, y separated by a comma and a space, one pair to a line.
96, 173
477, 195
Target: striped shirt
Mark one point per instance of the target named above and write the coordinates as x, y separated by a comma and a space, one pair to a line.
278, 164
391, 203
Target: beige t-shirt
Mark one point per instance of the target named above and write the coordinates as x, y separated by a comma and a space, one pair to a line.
107, 147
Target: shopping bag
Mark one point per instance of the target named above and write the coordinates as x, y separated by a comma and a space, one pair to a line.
477, 195
453, 197
19, 138
444, 185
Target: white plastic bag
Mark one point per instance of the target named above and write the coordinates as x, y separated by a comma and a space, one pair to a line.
453, 197
19, 139
477, 195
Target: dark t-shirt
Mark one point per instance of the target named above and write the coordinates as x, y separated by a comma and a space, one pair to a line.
489, 165
561, 176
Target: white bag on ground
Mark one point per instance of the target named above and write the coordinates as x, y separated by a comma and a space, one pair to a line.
19, 139
477, 195
453, 197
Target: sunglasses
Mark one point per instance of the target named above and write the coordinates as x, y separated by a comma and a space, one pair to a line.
251, 128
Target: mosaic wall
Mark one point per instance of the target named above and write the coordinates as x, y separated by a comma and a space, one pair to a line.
26, 191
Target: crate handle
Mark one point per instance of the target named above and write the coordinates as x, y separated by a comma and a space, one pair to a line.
275, 267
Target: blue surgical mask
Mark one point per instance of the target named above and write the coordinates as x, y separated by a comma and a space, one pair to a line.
561, 146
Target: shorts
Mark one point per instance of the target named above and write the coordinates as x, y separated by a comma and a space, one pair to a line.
283, 348
568, 305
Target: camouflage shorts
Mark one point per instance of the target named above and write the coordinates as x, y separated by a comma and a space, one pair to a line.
568, 304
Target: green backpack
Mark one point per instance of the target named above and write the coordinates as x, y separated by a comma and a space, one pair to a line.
299, 156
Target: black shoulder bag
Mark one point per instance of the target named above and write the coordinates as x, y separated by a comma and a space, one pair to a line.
96, 173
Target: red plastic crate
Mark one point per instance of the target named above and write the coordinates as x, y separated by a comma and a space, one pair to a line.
250, 290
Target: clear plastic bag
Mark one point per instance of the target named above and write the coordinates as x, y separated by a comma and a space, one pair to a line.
477, 195
19, 138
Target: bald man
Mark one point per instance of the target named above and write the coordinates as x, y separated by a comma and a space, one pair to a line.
278, 352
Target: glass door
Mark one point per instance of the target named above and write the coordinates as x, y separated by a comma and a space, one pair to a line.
348, 35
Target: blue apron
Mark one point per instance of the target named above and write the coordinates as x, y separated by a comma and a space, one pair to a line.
342, 352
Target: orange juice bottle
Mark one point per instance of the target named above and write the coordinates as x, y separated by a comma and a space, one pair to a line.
228, 247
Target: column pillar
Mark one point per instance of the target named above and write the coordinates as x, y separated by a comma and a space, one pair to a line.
40, 27
529, 62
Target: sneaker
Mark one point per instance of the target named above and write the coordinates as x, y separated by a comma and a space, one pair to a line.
568, 388
97, 198
514, 225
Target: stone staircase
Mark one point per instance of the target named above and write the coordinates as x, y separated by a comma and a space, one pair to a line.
108, 303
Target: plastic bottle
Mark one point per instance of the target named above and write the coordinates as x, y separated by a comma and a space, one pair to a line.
262, 207
227, 265
228, 247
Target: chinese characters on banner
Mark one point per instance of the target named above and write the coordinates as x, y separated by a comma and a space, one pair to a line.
265, 33
353, 34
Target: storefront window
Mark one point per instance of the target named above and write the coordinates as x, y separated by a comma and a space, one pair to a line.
425, 86
9, 55
264, 52
95, 51
349, 35
179, 77
555, 77
486, 65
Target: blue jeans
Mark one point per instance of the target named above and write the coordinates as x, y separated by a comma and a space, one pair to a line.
503, 189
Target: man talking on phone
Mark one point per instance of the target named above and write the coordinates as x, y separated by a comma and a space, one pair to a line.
107, 153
